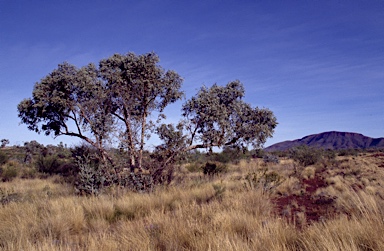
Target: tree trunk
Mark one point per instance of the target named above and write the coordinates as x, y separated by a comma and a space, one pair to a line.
143, 123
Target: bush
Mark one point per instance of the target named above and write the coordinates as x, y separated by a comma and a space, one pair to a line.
28, 173
91, 178
137, 182
94, 176
7, 196
193, 167
269, 158
9, 171
329, 154
3, 158
348, 152
267, 180
306, 156
213, 168
48, 164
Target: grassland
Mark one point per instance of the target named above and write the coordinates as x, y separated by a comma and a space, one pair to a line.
332, 205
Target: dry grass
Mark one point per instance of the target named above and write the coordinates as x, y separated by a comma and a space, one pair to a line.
200, 213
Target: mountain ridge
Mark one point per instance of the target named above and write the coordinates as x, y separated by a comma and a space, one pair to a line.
333, 140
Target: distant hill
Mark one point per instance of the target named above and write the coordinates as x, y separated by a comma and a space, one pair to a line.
331, 140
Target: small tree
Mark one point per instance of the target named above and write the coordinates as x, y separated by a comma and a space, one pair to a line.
218, 117
4, 142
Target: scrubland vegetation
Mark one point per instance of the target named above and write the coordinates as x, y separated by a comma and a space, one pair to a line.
251, 203
113, 193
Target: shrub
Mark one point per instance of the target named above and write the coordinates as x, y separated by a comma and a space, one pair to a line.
28, 173
7, 196
91, 178
306, 156
213, 168
308, 173
269, 158
348, 152
268, 180
48, 164
94, 176
193, 167
137, 182
257, 153
9, 171
3, 158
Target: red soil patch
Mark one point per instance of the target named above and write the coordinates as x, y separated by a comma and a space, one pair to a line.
377, 155
314, 207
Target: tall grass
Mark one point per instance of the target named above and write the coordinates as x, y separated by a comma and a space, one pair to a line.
196, 213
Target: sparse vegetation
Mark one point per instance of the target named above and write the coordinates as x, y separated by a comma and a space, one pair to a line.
3, 158
270, 158
175, 197
252, 206
213, 168
122, 100
306, 156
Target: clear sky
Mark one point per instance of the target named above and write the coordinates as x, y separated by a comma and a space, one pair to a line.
318, 65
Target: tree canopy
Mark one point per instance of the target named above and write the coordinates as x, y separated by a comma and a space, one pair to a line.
218, 116
115, 102
70, 101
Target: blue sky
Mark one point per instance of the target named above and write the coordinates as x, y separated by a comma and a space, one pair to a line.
318, 65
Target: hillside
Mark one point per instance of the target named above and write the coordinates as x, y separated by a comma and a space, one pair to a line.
331, 140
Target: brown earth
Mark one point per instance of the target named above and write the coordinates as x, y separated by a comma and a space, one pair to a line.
315, 207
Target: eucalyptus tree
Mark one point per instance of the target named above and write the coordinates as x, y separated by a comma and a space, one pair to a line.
218, 117
73, 102
123, 99
92, 103
138, 87
4, 142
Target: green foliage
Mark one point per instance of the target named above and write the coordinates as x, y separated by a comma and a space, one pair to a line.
32, 149
92, 177
48, 164
164, 157
306, 156
270, 158
28, 173
348, 152
3, 158
257, 153
214, 168
281, 154
193, 167
329, 154
267, 180
9, 171
4, 142
217, 116
137, 182
230, 154
116, 101
91, 102
219, 191
138, 86
7, 196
